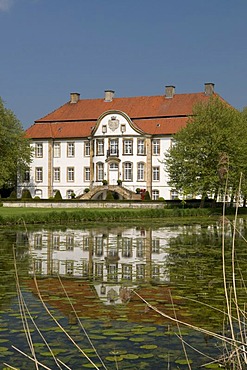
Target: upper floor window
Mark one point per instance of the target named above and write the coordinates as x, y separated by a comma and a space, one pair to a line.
86, 173
38, 150
26, 176
56, 150
140, 146
71, 149
128, 147
156, 146
100, 147
87, 148
140, 171
39, 174
156, 173
128, 171
56, 174
70, 174
114, 147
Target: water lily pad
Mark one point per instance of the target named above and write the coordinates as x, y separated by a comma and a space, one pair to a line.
149, 346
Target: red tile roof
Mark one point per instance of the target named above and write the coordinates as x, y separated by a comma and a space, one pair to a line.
152, 114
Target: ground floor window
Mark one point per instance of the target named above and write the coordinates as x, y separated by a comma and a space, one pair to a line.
155, 194
128, 171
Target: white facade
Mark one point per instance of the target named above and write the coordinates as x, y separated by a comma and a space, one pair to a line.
116, 150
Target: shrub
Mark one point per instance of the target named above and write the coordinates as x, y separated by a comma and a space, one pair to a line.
104, 182
13, 195
26, 194
147, 196
36, 197
86, 190
58, 195
138, 190
109, 196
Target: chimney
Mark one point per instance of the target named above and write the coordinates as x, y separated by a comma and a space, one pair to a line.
74, 98
208, 88
109, 94
170, 91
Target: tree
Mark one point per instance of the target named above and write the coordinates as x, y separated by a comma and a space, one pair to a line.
210, 148
15, 152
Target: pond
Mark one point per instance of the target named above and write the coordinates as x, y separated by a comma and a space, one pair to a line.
108, 297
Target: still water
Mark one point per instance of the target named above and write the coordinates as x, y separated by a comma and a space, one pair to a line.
108, 288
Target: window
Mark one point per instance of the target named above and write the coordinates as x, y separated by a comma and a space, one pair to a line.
56, 242
140, 248
55, 267
127, 272
85, 243
38, 266
100, 147
39, 174
155, 272
71, 149
86, 173
156, 173
38, 241
140, 171
155, 194
70, 174
56, 174
100, 171
128, 147
140, 272
70, 243
128, 171
87, 148
98, 247
112, 272
140, 146
56, 150
156, 246
114, 147
174, 194
69, 267
38, 150
156, 147
127, 248
26, 176
99, 270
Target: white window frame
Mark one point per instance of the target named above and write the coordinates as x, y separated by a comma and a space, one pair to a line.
38, 150
87, 148
156, 146
38, 174
56, 174
156, 173
70, 174
140, 147
86, 173
100, 171
128, 147
140, 171
70, 149
100, 146
57, 150
128, 171
155, 194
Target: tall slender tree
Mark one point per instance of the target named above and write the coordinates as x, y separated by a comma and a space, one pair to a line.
15, 152
211, 148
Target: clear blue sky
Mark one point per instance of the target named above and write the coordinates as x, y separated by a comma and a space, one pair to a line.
50, 48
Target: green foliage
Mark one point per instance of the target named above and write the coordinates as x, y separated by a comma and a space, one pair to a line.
138, 190
211, 146
147, 196
15, 149
13, 195
26, 194
109, 195
86, 190
58, 195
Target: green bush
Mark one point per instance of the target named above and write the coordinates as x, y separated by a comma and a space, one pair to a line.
86, 190
109, 196
58, 195
26, 194
13, 195
147, 196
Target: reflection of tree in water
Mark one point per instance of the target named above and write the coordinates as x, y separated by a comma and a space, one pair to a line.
7, 272
195, 267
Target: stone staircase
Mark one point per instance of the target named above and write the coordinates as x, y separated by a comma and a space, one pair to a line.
121, 190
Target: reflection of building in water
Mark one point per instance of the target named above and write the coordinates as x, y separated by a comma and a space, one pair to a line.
114, 256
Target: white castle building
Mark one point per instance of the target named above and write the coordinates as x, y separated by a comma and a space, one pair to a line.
90, 146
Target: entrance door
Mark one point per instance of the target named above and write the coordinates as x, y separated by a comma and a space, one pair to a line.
113, 173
